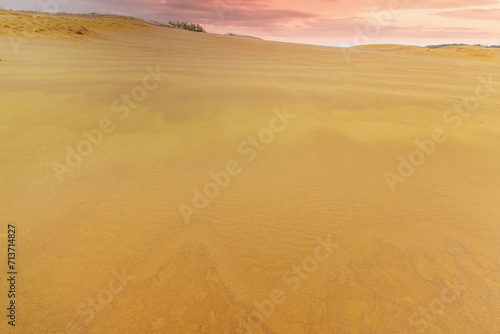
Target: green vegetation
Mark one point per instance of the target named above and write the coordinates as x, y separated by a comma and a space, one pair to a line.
461, 44
187, 26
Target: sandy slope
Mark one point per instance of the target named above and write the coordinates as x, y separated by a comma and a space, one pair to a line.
421, 258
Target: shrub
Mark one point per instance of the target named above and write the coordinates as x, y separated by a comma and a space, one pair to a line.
187, 26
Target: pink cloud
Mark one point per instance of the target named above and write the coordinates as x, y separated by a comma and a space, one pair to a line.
370, 5
326, 21
440, 4
473, 14
229, 12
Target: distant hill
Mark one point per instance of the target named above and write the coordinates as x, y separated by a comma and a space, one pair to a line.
461, 44
245, 36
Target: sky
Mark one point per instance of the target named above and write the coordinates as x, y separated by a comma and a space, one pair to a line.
325, 22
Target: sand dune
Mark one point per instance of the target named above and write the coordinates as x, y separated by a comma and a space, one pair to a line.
59, 26
358, 189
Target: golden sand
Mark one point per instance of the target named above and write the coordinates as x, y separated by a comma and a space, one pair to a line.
373, 207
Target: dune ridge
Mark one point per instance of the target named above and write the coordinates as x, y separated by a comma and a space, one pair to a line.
54, 26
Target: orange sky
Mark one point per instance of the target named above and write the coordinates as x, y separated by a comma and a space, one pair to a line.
329, 22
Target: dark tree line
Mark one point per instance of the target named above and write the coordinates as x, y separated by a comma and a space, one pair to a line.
187, 26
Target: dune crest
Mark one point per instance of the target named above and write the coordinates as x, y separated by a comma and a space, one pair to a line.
57, 26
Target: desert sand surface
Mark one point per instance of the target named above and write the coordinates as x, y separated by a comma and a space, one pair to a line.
316, 230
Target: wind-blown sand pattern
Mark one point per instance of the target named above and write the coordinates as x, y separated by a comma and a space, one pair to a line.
106, 249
